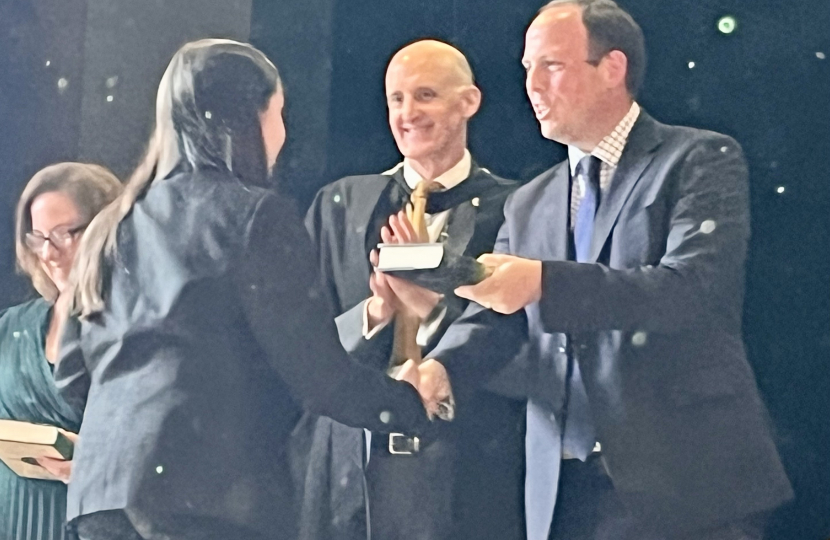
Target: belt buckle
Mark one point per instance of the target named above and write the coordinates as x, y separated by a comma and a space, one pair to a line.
409, 446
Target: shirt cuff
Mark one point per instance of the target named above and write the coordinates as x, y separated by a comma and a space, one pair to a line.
369, 333
429, 326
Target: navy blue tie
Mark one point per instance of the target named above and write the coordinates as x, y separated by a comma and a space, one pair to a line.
578, 435
588, 169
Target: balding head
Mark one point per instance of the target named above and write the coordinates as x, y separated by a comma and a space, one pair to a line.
431, 96
429, 54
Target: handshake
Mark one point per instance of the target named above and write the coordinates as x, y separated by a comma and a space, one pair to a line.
433, 384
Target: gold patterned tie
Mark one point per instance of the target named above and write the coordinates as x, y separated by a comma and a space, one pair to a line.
405, 344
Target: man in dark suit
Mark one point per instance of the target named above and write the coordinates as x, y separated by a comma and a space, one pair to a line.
623, 269
467, 476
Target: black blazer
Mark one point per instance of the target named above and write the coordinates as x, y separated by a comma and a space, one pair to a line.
655, 325
215, 331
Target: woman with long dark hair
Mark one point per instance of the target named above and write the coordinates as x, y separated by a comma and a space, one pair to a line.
54, 209
201, 328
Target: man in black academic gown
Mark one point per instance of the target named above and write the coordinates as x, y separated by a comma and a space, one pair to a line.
464, 481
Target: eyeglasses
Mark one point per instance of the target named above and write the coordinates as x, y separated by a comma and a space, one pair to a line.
59, 237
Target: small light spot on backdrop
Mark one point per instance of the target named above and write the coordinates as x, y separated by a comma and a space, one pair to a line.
727, 24
780, 190
820, 55
691, 65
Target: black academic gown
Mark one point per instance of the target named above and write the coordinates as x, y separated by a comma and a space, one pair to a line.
467, 481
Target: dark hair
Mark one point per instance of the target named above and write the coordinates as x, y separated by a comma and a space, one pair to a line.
207, 116
91, 188
610, 28
218, 92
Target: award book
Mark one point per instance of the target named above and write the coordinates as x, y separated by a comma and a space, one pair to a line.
430, 266
22, 442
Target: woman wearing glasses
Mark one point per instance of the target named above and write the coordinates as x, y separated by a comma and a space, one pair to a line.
56, 205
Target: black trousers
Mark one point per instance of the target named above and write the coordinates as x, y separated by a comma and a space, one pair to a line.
465, 483
123, 525
587, 508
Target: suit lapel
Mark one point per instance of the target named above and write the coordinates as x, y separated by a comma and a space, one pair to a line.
638, 153
460, 227
383, 198
467, 217
551, 238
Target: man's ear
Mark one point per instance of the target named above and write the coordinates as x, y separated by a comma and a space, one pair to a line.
470, 100
614, 67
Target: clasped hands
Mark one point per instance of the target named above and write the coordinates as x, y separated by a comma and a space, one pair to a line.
514, 283
391, 294
433, 384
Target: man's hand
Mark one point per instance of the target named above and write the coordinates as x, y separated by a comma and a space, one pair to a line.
404, 294
514, 284
417, 299
383, 303
409, 372
435, 389
399, 230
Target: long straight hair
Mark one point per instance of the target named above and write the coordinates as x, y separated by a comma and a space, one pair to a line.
207, 117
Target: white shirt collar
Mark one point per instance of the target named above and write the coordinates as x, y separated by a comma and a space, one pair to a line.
451, 178
574, 155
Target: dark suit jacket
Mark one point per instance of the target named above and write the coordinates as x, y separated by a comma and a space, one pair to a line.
344, 221
215, 329
654, 323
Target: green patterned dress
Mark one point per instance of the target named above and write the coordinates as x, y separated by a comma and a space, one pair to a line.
30, 509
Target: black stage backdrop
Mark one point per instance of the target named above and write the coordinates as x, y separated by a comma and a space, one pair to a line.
755, 70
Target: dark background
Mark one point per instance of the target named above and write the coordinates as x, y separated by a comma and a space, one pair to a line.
767, 84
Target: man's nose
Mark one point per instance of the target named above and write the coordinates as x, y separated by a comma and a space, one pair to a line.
534, 82
409, 109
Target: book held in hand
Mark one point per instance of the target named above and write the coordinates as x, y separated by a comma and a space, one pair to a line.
430, 266
22, 442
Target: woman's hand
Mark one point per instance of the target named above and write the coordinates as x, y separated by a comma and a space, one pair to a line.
60, 468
